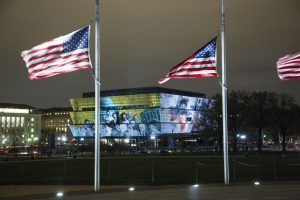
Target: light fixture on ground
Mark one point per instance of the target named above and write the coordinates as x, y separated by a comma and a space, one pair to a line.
59, 194
131, 189
256, 183
196, 186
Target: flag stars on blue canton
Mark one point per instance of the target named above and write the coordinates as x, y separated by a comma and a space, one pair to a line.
208, 51
78, 40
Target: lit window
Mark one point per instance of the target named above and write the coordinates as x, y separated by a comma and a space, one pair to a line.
8, 122
18, 122
32, 119
13, 121
32, 130
3, 122
22, 121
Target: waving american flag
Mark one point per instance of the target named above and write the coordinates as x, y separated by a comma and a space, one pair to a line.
201, 64
58, 56
288, 67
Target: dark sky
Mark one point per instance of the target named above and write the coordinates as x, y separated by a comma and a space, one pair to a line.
142, 39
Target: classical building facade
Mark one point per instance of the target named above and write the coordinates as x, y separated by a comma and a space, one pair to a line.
20, 125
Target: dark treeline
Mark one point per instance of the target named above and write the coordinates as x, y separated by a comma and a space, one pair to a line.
259, 111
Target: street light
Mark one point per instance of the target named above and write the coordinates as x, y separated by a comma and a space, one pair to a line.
126, 140
152, 137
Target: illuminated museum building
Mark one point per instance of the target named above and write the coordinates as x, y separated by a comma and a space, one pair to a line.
56, 121
20, 125
140, 112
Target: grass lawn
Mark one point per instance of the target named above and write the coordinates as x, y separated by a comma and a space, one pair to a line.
141, 170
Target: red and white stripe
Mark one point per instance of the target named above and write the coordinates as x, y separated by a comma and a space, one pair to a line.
192, 68
288, 67
48, 59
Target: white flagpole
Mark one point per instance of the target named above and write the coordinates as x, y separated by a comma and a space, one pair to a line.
97, 101
224, 97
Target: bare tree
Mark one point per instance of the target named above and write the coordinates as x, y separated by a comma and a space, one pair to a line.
236, 114
237, 111
285, 113
259, 113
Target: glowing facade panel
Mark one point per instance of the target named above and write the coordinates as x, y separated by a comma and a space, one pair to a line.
149, 114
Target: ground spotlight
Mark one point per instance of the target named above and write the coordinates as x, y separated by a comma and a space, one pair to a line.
131, 189
196, 186
59, 194
256, 183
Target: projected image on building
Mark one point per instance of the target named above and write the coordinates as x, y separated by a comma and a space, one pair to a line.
146, 114
181, 114
85, 130
132, 122
130, 115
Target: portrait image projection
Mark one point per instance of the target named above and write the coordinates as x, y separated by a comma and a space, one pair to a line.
182, 114
130, 115
85, 130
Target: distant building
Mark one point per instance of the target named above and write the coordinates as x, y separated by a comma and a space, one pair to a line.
140, 112
55, 121
20, 125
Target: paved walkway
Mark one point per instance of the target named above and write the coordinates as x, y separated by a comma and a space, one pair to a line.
268, 191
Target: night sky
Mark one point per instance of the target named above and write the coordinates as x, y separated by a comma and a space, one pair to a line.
141, 40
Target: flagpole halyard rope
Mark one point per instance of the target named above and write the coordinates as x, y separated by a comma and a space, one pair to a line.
93, 75
222, 85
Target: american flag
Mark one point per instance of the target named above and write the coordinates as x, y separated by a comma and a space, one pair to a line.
288, 67
201, 64
58, 56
